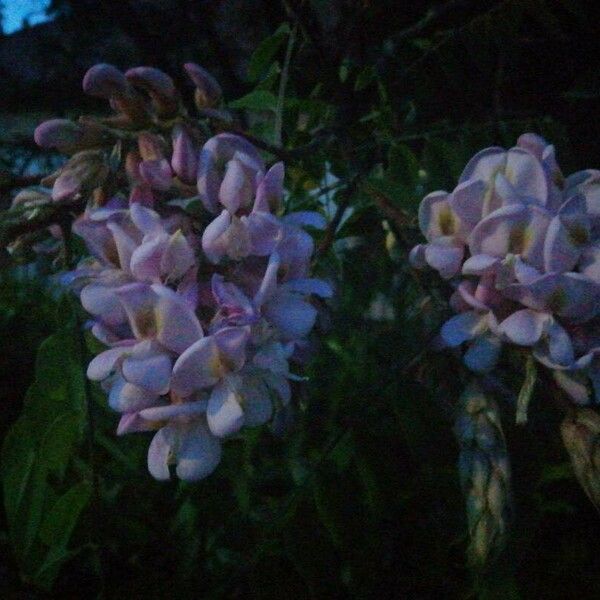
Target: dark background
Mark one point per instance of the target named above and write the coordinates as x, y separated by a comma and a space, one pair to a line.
381, 514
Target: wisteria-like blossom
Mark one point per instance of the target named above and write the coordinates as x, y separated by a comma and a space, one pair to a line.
520, 244
201, 316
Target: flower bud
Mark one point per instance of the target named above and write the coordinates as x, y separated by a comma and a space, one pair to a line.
159, 86
84, 172
104, 81
484, 473
69, 137
151, 146
32, 197
580, 432
185, 155
208, 91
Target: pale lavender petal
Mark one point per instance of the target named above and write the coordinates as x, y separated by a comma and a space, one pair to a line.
102, 301
480, 264
231, 342
197, 368
466, 201
270, 190
170, 411
132, 422
264, 231
127, 397
213, 238
445, 257
235, 191
484, 164
139, 302
151, 372
224, 413
178, 257
105, 363
462, 327
525, 327
161, 453
177, 326
145, 219
125, 245
198, 454
526, 174
146, 258
291, 315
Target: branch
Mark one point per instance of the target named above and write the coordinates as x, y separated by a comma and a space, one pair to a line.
399, 217
48, 215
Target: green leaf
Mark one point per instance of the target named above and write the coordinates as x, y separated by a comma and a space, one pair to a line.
57, 444
265, 52
18, 456
258, 100
60, 521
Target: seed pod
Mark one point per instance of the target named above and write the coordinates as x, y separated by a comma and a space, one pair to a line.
580, 432
484, 473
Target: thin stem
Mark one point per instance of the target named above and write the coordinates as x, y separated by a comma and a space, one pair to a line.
282, 85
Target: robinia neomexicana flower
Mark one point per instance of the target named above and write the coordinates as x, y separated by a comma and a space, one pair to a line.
520, 245
201, 315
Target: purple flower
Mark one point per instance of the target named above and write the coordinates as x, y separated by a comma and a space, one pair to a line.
521, 245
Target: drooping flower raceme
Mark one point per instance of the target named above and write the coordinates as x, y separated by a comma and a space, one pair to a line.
201, 316
520, 244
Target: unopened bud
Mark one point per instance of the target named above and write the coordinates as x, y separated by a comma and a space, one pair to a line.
69, 137
581, 436
159, 86
484, 473
84, 172
151, 146
185, 155
208, 91
105, 81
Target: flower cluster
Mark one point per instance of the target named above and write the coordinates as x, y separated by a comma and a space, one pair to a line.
520, 244
201, 316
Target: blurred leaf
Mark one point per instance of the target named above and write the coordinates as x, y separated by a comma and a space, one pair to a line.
40, 444
60, 520
265, 52
258, 100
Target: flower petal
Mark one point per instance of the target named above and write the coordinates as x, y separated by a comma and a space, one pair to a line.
224, 413
462, 327
198, 454
525, 327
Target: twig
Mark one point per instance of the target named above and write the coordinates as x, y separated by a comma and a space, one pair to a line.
61, 214
282, 85
400, 218
343, 204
